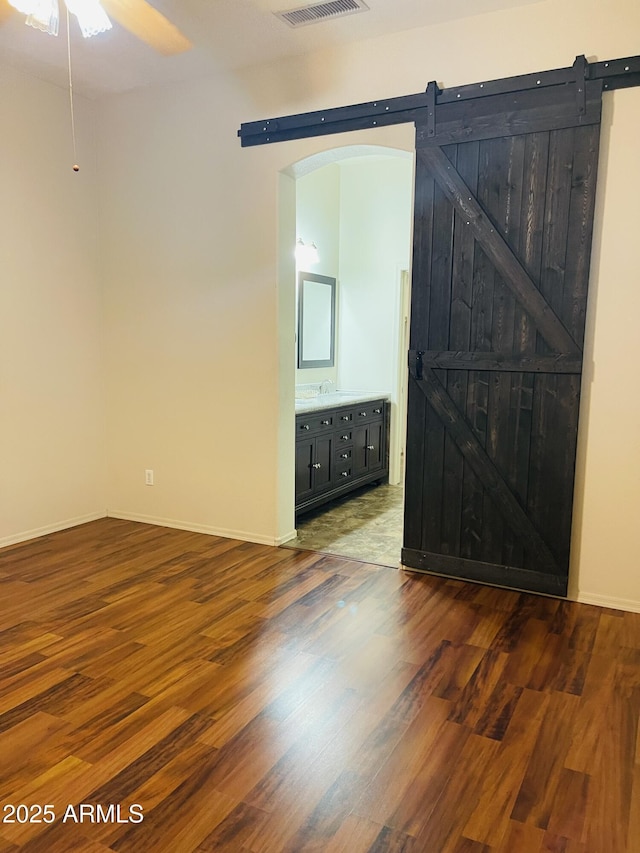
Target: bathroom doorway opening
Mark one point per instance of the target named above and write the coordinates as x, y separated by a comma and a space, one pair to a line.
353, 210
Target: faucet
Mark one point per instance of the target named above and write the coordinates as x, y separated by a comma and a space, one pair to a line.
325, 386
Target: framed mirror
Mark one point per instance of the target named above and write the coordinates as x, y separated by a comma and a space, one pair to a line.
316, 320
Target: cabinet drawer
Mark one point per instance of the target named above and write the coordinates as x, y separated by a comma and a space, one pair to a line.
342, 474
314, 423
359, 413
343, 437
367, 412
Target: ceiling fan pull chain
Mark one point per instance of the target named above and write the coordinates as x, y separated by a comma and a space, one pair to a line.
76, 168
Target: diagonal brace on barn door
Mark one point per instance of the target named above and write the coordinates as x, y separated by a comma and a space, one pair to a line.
479, 461
514, 275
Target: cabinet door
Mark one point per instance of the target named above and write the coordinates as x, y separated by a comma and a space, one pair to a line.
314, 465
360, 442
322, 465
376, 446
304, 470
368, 448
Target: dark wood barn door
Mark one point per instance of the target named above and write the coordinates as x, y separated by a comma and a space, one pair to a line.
504, 203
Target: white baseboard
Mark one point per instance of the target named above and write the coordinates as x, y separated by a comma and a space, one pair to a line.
50, 528
192, 527
287, 537
627, 604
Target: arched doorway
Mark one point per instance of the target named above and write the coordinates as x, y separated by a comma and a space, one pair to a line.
355, 205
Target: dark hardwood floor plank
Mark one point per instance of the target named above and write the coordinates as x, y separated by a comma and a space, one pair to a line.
467, 845
154, 790
446, 619
522, 837
315, 760
633, 831
457, 675
569, 809
29, 748
472, 702
559, 844
578, 624
591, 716
539, 790
264, 700
109, 748
411, 765
355, 833
504, 775
236, 829
609, 799
499, 709
174, 825
122, 784
392, 841
438, 828
490, 621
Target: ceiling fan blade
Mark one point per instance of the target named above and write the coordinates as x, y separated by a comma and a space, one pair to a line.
149, 25
5, 11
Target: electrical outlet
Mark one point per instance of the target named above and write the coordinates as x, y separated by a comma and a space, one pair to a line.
148, 477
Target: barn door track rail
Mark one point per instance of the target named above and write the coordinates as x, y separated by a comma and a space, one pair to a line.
611, 74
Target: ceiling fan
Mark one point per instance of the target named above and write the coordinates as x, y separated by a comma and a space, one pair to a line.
137, 16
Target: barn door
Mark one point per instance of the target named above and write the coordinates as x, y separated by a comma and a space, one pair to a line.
502, 234
504, 201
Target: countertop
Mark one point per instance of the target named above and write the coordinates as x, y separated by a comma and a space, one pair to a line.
337, 398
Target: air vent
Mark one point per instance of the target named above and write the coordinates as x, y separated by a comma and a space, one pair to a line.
304, 15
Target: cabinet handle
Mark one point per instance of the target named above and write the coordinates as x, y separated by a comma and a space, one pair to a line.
344, 456
377, 411
325, 423
344, 437
371, 447
316, 465
363, 414
344, 474
344, 417
305, 426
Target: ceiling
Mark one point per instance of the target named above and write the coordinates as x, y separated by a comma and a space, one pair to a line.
226, 35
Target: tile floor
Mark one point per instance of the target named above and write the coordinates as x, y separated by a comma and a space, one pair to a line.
365, 525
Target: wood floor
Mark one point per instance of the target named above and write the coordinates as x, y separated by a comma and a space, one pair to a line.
259, 699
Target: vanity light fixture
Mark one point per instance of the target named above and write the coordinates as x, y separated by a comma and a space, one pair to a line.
306, 253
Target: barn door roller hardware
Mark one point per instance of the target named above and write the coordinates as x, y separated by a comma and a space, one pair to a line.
614, 74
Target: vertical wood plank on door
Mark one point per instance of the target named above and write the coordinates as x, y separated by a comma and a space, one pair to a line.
457, 381
440, 275
420, 298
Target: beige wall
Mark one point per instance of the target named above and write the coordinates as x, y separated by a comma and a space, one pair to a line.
52, 454
191, 230
199, 371
605, 556
376, 215
318, 220
189, 254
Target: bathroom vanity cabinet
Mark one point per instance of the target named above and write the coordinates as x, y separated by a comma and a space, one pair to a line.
339, 449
